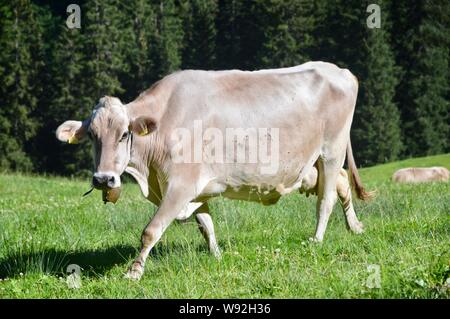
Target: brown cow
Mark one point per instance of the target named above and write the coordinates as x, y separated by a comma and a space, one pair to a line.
242, 135
421, 174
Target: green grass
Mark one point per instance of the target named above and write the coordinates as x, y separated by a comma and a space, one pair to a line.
46, 225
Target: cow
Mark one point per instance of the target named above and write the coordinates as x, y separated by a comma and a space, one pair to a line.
421, 174
303, 114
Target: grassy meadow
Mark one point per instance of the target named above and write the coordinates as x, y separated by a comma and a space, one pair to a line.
45, 225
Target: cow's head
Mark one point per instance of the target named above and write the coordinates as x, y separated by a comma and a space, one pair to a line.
111, 131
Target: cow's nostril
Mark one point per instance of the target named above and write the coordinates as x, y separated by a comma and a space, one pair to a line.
99, 180
111, 179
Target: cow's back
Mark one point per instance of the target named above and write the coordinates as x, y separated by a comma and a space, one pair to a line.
304, 95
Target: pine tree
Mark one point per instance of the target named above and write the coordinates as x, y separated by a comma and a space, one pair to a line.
37, 148
287, 27
104, 44
376, 131
199, 48
21, 63
68, 101
339, 34
153, 42
239, 37
141, 37
166, 49
422, 46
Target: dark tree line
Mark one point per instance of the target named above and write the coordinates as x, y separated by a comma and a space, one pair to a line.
50, 73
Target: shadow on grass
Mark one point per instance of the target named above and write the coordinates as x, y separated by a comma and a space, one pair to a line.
54, 262
92, 262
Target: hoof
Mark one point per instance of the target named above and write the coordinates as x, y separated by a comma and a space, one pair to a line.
315, 240
135, 272
357, 228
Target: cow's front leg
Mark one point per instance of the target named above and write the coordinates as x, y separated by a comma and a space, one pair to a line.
174, 201
206, 227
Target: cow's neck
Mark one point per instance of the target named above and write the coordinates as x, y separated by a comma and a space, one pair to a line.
149, 148
147, 151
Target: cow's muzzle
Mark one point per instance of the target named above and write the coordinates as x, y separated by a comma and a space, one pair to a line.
103, 181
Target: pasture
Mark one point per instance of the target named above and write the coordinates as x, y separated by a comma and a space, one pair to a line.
46, 225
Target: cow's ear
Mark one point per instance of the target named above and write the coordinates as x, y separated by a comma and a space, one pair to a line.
143, 125
71, 131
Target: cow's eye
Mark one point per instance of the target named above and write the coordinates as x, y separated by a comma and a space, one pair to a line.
124, 136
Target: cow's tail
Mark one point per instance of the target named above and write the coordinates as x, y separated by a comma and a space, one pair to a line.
354, 176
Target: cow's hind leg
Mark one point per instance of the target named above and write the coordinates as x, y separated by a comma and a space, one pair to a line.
345, 196
206, 227
174, 201
326, 193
